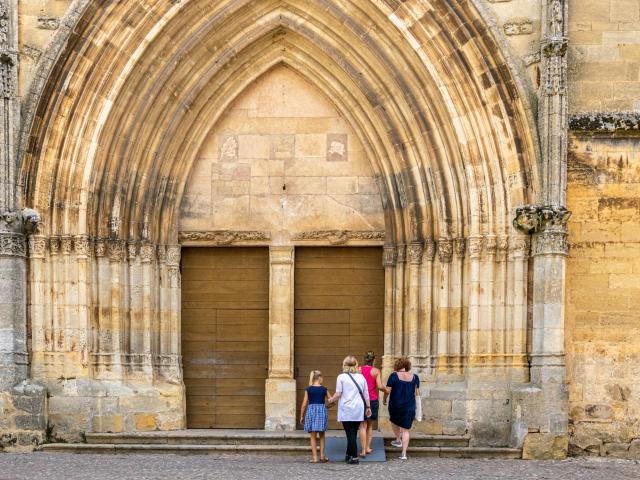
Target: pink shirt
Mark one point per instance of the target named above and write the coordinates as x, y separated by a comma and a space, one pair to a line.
371, 382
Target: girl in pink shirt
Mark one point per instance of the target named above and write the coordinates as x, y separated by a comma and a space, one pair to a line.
374, 383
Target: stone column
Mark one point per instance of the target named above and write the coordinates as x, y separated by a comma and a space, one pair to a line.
280, 391
445, 255
414, 254
546, 412
389, 263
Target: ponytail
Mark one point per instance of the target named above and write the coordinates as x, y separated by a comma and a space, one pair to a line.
314, 375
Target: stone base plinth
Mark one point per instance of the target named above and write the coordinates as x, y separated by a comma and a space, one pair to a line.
280, 404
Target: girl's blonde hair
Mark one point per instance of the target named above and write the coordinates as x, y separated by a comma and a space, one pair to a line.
314, 375
350, 364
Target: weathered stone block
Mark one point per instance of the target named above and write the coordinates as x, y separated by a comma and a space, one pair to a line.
545, 446
145, 422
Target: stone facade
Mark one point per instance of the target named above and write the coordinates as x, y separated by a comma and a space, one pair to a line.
437, 129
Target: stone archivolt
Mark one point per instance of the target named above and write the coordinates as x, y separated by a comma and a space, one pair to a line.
435, 150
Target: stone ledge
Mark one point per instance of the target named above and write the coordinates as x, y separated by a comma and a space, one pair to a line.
608, 124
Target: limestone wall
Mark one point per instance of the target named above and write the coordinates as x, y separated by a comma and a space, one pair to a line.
603, 270
604, 55
282, 161
603, 292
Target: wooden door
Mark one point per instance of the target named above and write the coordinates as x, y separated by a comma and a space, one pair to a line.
225, 342
339, 311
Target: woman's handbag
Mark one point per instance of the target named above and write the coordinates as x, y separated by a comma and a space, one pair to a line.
361, 395
418, 415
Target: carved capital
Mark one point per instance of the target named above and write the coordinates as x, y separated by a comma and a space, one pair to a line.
520, 246
414, 252
37, 246
532, 218
474, 247
430, 250
147, 252
173, 255
162, 253
54, 245
100, 247
12, 244
489, 245
459, 247
115, 250
66, 244
281, 255
550, 242
389, 256
401, 254
132, 251
82, 245
445, 250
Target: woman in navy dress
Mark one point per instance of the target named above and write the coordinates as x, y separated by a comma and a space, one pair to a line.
402, 388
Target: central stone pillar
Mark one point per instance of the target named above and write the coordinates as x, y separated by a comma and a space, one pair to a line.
280, 391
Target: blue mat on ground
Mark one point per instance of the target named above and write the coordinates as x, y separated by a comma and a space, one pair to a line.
336, 446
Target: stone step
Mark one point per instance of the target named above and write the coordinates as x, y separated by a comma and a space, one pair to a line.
194, 449
249, 437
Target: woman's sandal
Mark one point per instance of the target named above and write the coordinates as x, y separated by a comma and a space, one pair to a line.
324, 460
313, 461
362, 455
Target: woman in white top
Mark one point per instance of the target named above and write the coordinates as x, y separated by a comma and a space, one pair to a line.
353, 406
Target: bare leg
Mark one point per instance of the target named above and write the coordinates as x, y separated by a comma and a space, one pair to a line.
322, 441
397, 431
314, 446
405, 441
369, 435
362, 432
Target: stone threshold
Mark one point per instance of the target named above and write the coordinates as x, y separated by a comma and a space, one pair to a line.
192, 449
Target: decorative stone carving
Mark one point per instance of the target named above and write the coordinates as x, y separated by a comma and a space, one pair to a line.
225, 237
82, 245
162, 253
37, 246
173, 255
12, 244
338, 237
147, 252
100, 247
459, 247
132, 251
531, 218
550, 242
401, 254
520, 27
115, 249
430, 250
229, 148
337, 147
66, 244
54, 245
414, 253
32, 52
520, 245
48, 23
445, 250
474, 247
502, 243
489, 245
389, 256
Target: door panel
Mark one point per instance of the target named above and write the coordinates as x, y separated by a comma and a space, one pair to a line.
339, 308
225, 327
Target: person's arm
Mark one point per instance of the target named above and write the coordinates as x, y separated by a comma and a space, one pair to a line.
303, 408
417, 385
367, 399
338, 392
378, 376
387, 391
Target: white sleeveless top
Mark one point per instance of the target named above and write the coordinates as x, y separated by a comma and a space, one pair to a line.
350, 406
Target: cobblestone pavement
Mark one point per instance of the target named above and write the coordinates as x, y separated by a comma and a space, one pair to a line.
61, 466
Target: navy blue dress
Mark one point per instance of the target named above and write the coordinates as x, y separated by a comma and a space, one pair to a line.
402, 401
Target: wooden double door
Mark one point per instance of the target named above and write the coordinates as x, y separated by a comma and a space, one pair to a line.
225, 342
339, 311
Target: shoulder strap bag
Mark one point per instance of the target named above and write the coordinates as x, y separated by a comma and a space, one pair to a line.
361, 394
418, 415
